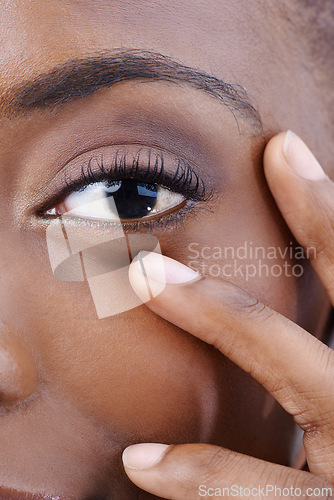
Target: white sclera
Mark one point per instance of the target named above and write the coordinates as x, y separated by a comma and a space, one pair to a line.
80, 235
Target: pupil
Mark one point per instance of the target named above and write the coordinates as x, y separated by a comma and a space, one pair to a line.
133, 199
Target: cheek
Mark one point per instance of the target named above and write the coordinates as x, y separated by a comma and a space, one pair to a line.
133, 373
140, 378
245, 240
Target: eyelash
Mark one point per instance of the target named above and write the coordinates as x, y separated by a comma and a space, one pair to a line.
184, 181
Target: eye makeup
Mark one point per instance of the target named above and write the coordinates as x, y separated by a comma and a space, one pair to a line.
159, 170
111, 137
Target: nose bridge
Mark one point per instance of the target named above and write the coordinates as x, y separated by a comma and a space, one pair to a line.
18, 373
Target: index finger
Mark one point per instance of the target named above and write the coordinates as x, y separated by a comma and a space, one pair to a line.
295, 367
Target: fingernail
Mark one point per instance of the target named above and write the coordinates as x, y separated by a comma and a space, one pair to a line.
171, 272
300, 158
143, 456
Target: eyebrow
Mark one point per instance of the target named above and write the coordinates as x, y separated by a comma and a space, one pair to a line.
82, 77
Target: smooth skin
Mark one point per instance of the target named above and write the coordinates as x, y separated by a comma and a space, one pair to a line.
295, 367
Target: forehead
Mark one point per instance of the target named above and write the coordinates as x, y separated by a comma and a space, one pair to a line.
253, 44
218, 36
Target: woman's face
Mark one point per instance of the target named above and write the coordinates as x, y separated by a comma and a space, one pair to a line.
77, 389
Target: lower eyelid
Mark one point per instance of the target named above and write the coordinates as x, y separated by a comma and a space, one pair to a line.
158, 215
170, 220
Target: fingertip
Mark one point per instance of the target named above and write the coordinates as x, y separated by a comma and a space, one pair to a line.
143, 284
143, 455
287, 155
137, 281
150, 272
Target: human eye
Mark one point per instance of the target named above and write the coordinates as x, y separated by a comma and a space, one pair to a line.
122, 199
142, 186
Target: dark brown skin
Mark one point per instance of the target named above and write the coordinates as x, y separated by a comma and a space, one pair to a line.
78, 390
294, 366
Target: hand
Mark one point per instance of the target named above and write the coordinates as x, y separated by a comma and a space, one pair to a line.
295, 367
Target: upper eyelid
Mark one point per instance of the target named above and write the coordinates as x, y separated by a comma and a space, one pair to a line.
157, 173
84, 174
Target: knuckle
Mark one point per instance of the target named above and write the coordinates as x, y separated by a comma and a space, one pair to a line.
220, 462
239, 303
257, 310
215, 465
313, 422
